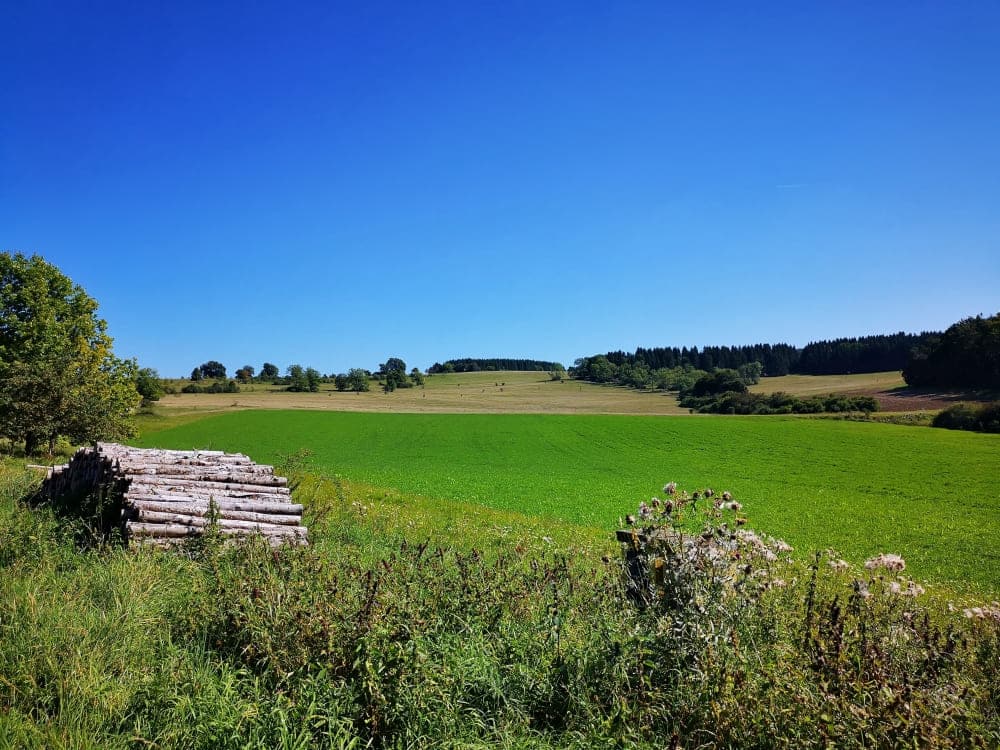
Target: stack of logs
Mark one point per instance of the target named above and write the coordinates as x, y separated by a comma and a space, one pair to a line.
163, 497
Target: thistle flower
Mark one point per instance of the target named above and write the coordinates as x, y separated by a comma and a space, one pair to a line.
630, 519
727, 495
670, 488
644, 511
709, 492
732, 505
782, 546
655, 502
887, 561
840, 565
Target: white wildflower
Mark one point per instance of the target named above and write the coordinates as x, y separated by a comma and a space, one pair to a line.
840, 565
670, 488
887, 561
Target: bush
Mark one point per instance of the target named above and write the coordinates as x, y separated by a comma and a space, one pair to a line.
985, 418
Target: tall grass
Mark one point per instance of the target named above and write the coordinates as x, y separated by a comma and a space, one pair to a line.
376, 636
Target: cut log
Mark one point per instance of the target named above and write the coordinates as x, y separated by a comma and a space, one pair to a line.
181, 530
169, 503
152, 516
203, 484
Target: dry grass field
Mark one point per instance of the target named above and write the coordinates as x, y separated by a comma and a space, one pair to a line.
506, 393
471, 392
817, 385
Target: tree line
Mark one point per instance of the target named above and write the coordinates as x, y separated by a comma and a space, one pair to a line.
829, 357
469, 364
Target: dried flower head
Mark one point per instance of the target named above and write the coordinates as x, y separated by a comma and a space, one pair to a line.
887, 561
732, 505
727, 495
840, 565
709, 492
670, 488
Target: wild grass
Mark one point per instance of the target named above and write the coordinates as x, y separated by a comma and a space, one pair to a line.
860, 488
376, 636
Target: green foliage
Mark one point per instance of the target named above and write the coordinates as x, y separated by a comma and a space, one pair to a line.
269, 371
858, 487
216, 387
416, 376
967, 355
58, 375
720, 381
149, 385
358, 380
495, 364
777, 403
245, 374
975, 417
303, 379
211, 370
369, 639
750, 372
393, 375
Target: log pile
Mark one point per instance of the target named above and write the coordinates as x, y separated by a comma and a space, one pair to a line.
163, 497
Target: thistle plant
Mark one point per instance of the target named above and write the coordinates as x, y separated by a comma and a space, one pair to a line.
689, 553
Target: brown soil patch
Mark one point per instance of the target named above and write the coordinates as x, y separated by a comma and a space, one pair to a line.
912, 399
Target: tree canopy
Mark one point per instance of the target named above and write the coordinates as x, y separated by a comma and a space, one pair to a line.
967, 355
58, 374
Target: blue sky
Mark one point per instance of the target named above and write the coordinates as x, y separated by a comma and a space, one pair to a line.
332, 184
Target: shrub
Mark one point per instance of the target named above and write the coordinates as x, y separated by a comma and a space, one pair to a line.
985, 418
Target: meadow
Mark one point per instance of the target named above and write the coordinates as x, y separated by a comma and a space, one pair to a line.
859, 488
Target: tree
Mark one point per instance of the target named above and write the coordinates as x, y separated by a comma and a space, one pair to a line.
393, 372
312, 379
269, 371
196, 374
148, 384
416, 376
297, 380
245, 374
58, 374
358, 379
213, 369
341, 382
750, 372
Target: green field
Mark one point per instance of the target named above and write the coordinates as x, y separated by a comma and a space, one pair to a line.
859, 488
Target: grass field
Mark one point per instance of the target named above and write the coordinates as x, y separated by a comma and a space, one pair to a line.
856, 487
818, 385
501, 392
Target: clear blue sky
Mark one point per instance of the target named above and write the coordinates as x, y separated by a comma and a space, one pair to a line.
332, 184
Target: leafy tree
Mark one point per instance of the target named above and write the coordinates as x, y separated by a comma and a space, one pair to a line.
393, 364
358, 379
313, 378
297, 380
750, 372
213, 369
416, 376
269, 371
149, 385
720, 381
341, 382
196, 374
58, 374
967, 355
245, 374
